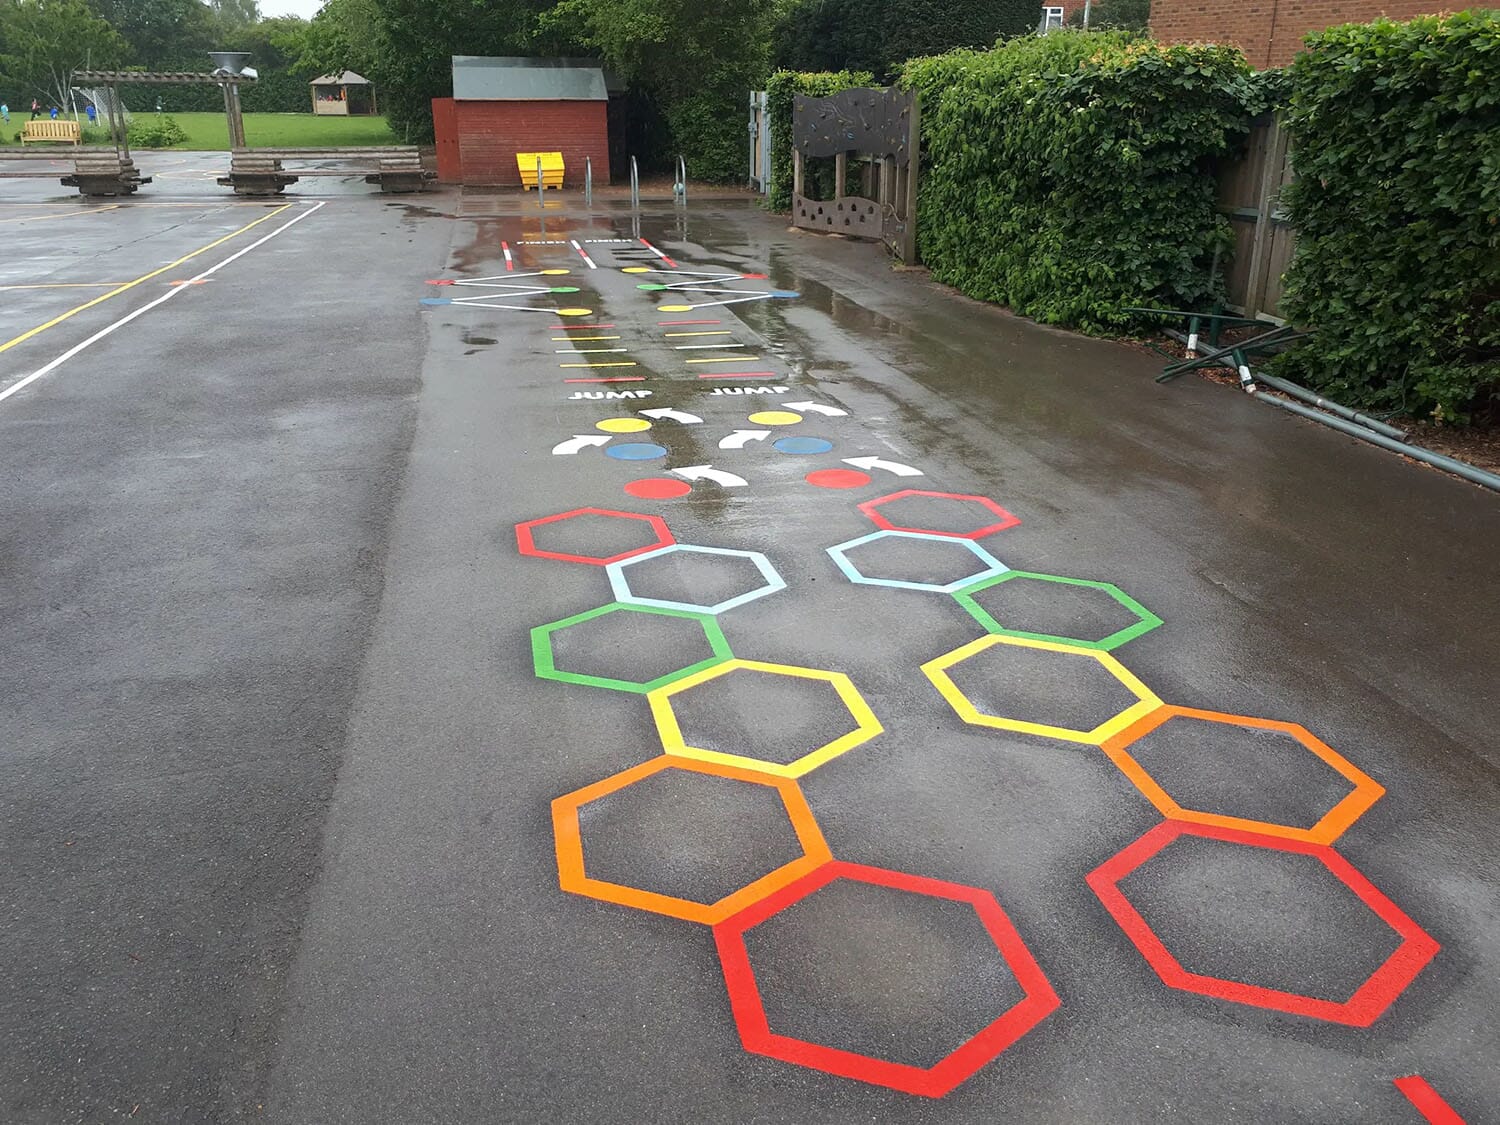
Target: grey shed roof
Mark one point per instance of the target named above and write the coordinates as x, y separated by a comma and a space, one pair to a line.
482, 78
345, 78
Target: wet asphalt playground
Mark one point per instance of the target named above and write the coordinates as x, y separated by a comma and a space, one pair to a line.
729, 681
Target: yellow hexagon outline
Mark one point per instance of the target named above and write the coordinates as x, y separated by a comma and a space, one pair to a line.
936, 671
867, 726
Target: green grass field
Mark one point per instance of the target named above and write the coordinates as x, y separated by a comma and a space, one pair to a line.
209, 132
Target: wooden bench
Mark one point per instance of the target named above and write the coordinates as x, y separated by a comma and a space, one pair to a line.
97, 170
263, 171
43, 131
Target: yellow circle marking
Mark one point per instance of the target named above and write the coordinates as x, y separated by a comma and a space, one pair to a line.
555, 273
575, 312
623, 425
674, 308
635, 269
775, 418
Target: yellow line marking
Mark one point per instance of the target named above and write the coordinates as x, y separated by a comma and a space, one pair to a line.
596, 365
674, 335
729, 359
66, 285
56, 320
63, 214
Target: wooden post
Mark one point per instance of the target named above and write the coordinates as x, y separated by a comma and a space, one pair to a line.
840, 174
796, 175
1270, 188
913, 167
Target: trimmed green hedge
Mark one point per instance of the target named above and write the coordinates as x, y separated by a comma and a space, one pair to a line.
1396, 144
1069, 176
782, 87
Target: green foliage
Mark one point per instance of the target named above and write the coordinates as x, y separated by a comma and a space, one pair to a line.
1113, 15
43, 41
697, 61
159, 131
1069, 175
163, 34
879, 35
781, 89
1396, 145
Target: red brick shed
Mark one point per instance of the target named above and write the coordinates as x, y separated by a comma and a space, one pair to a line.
1270, 31
502, 106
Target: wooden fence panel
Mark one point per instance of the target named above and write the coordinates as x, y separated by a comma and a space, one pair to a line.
1249, 190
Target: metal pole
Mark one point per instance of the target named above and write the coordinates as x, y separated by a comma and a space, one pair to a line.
541, 185
1087, 6
681, 192
1416, 452
635, 185
588, 181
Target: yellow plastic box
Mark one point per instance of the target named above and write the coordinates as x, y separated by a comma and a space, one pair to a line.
552, 169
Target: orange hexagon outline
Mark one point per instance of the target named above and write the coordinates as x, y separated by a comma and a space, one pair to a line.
1326, 830
574, 879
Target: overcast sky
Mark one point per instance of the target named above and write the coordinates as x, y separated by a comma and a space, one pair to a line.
304, 8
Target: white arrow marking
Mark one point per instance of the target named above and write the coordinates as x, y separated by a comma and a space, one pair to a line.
675, 415
708, 472
895, 467
579, 441
818, 408
738, 439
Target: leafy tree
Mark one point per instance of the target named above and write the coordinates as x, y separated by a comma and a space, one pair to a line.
43, 41
1114, 15
696, 60
235, 13
879, 35
163, 34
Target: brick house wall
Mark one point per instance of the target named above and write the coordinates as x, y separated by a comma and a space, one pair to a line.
490, 133
1270, 31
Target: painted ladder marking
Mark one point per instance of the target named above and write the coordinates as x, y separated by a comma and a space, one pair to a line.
589, 351
739, 375
584, 254
705, 347
679, 335
566, 339
579, 327
598, 365
727, 359
658, 253
678, 323
510, 262
611, 379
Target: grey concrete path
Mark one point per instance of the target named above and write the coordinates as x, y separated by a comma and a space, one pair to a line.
278, 780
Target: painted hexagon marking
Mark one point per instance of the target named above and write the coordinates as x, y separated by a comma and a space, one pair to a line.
839, 554
1002, 518
866, 725
620, 583
574, 878
1144, 623
937, 672
546, 667
1363, 1008
1328, 828
1038, 997
526, 542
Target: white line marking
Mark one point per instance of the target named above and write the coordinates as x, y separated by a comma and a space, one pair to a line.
163, 299
585, 254
706, 347
589, 351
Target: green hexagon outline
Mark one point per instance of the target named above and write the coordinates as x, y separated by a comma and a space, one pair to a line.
1145, 619
546, 668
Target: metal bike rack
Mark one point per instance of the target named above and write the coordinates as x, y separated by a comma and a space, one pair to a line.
635, 186
588, 181
541, 185
679, 189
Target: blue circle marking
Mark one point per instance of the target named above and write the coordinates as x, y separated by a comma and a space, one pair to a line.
802, 445
784, 293
436, 301
636, 451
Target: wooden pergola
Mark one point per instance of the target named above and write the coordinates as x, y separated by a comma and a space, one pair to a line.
331, 94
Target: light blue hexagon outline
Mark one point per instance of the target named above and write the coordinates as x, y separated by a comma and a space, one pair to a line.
994, 566
621, 585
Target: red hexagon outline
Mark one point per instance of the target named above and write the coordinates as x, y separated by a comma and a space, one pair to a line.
1363, 1008
527, 544
1007, 519
1038, 1000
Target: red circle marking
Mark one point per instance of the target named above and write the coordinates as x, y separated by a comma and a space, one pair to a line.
658, 488
440, 283
838, 478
